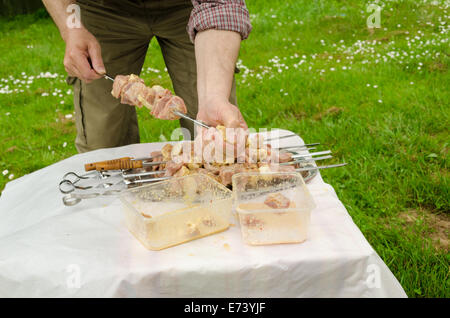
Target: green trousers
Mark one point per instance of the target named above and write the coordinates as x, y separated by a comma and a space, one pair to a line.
124, 30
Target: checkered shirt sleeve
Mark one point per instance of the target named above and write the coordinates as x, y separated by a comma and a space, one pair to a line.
231, 15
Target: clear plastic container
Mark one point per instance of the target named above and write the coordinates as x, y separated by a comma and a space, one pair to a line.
272, 207
177, 210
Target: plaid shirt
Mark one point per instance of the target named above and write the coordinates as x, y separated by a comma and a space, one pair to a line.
230, 15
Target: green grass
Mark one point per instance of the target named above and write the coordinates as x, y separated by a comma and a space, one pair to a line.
393, 132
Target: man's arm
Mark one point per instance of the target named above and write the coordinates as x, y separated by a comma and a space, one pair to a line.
217, 28
81, 45
216, 52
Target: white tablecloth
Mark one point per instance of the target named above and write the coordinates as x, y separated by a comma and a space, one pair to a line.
50, 250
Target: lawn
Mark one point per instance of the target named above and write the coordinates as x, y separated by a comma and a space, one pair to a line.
379, 99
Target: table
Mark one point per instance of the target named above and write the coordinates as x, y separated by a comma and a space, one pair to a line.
50, 250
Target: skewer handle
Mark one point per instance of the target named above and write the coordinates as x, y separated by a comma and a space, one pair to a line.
92, 166
118, 165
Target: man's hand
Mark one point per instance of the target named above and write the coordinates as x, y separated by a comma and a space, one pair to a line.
221, 112
82, 51
83, 57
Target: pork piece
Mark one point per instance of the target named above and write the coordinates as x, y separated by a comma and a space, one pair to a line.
166, 152
122, 83
277, 201
210, 141
285, 157
160, 92
225, 175
135, 78
131, 92
222, 130
183, 152
254, 155
174, 103
208, 173
250, 167
155, 154
193, 166
255, 141
183, 171
156, 157
202, 171
176, 150
119, 83
272, 167
189, 154
158, 107
212, 168
227, 172
280, 156
147, 97
172, 168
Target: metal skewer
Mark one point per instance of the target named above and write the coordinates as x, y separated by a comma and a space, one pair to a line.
152, 163
142, 174
280, 137
297, 147
139, 181
305, 160
322, 167
176, 112
296, 152
326, 152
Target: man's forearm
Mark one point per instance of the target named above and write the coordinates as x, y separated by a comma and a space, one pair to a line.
57, 10
216, 53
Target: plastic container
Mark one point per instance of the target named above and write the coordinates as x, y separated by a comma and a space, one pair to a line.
177, 210
272, 208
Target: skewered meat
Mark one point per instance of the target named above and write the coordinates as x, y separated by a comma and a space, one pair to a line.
208, 173
284, 157
212, 168
119, 83
258, 156
165, 106
132, 90
172, 167
255, 141
183, 171
154, 154
166, 152
157, 157
273, 167
193, 166
227, 172
251, 167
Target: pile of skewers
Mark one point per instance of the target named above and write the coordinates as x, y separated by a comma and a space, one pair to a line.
113, 176
249, 153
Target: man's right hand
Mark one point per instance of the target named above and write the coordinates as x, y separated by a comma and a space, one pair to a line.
82, 51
